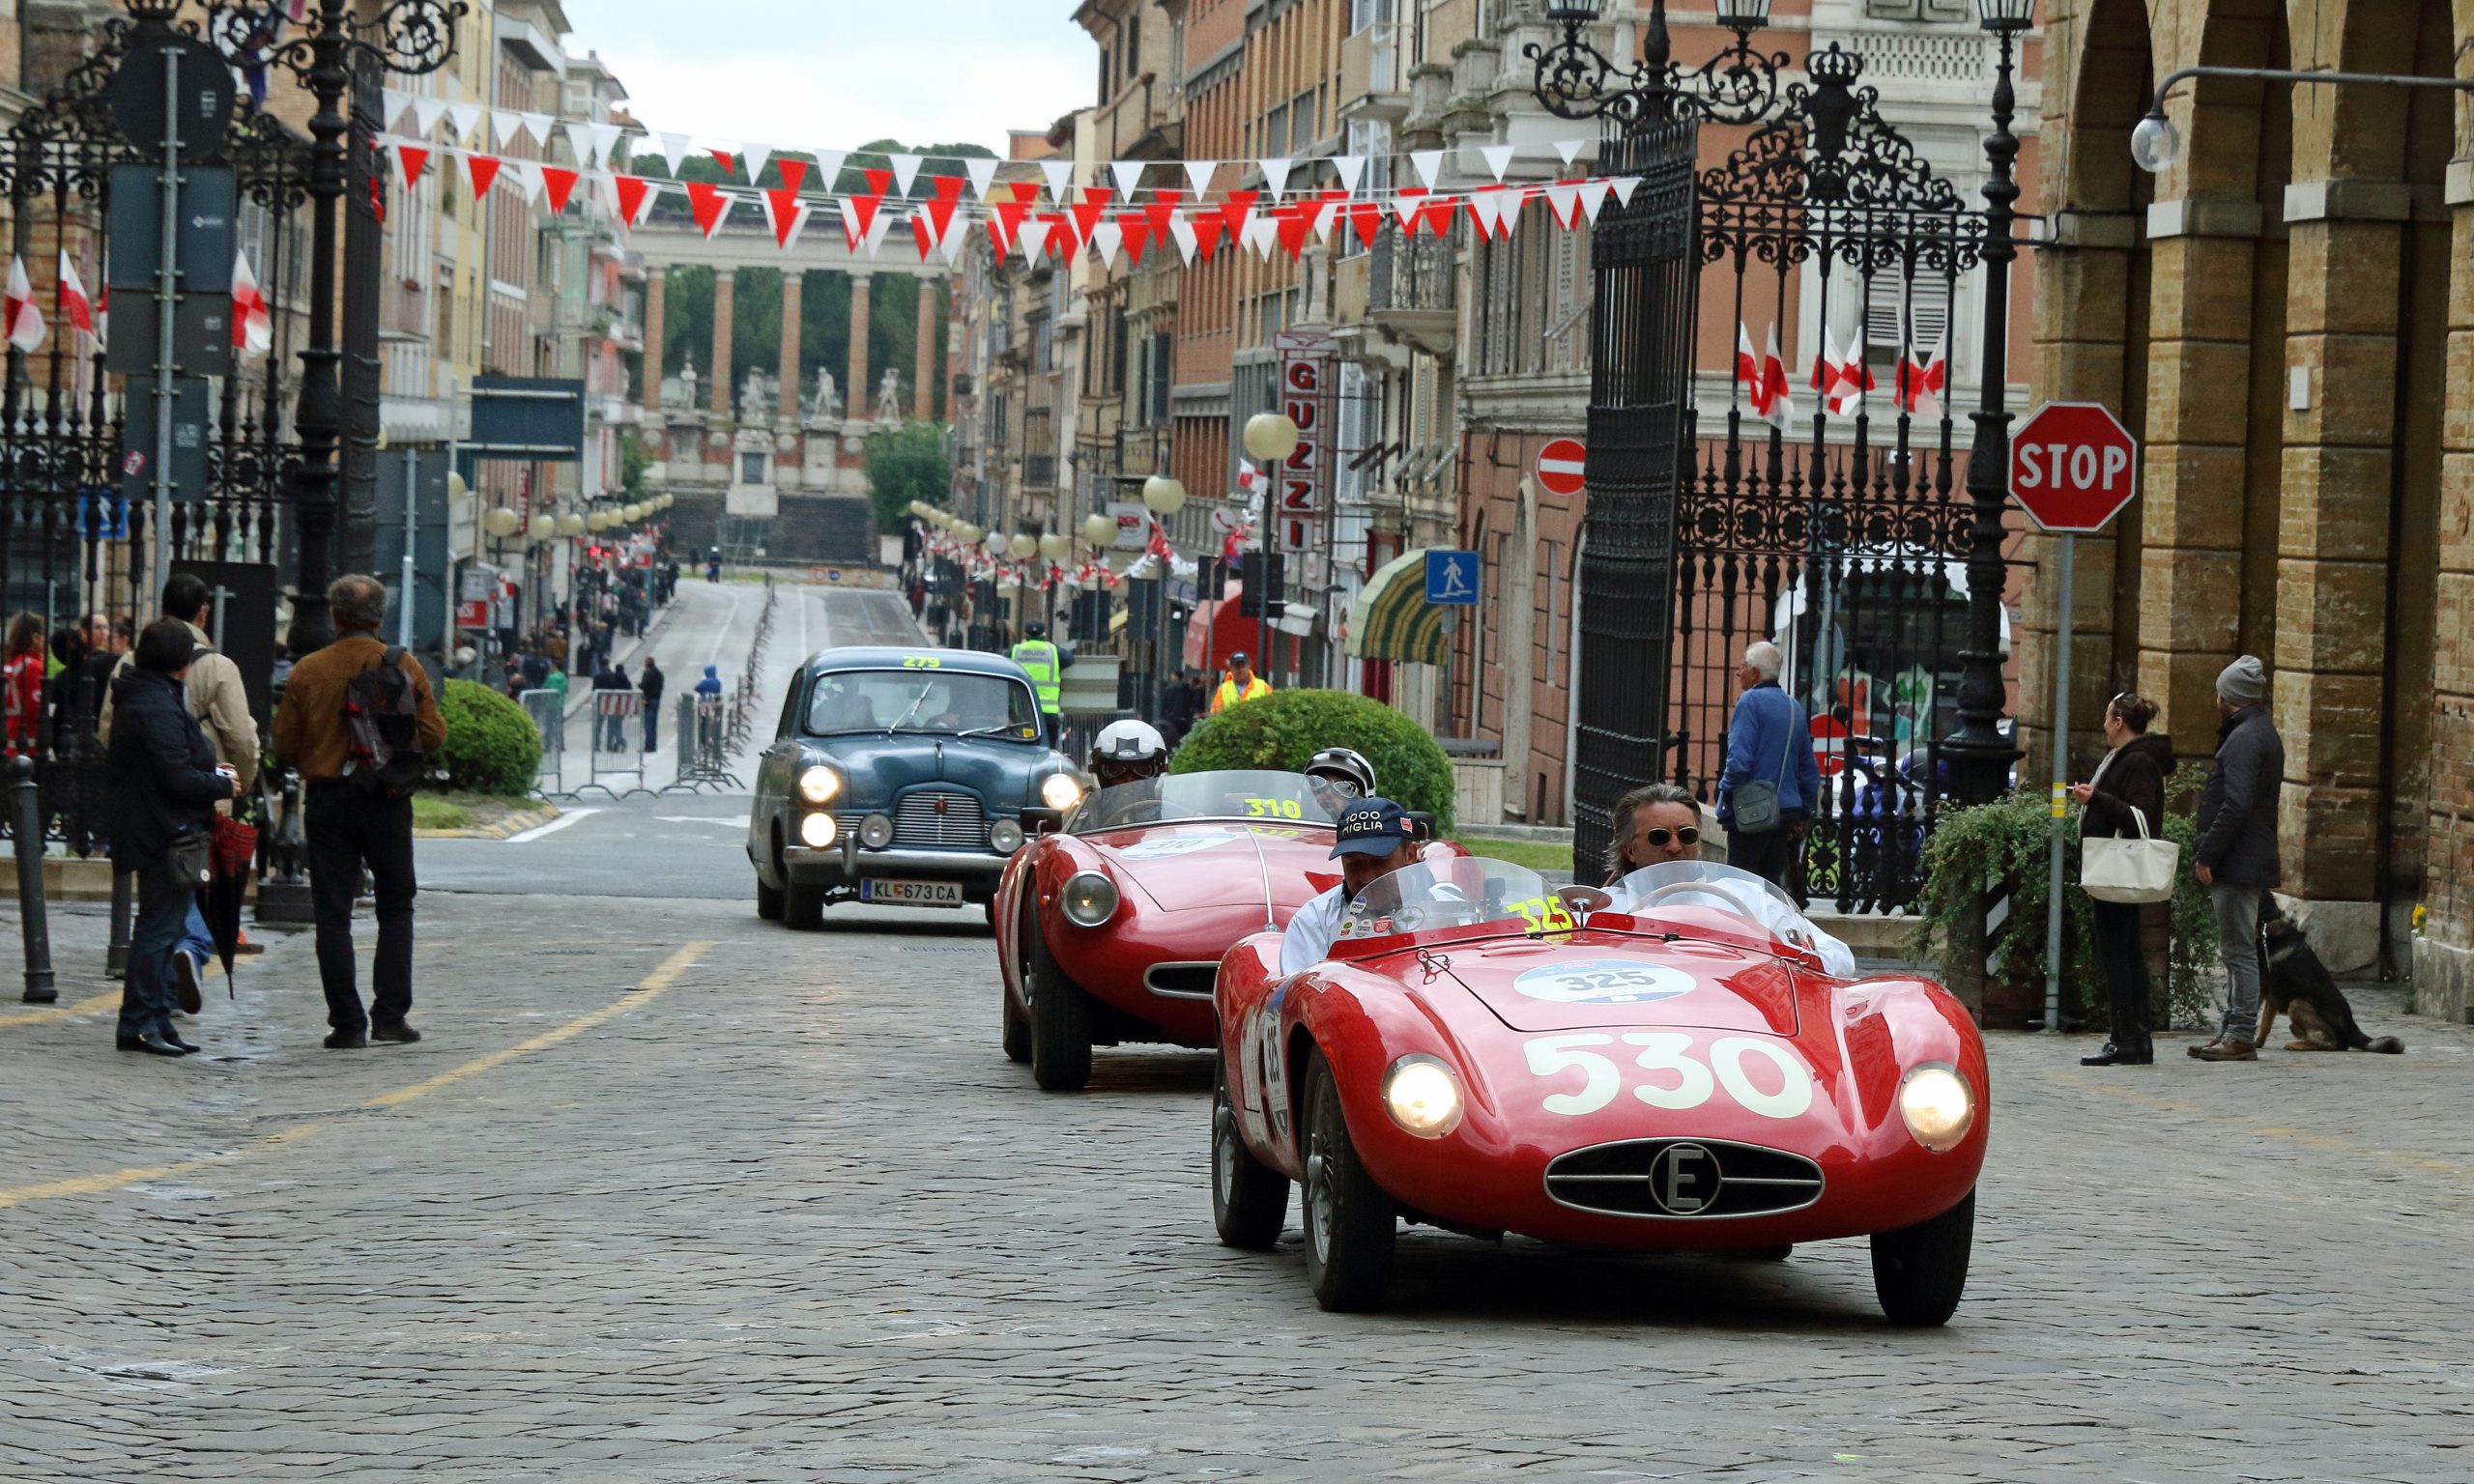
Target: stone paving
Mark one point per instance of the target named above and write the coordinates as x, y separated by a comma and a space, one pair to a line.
784, 1213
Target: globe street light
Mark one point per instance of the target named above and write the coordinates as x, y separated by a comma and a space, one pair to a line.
1162, 495
1022, 546
1270, 437
501, 523
1099, 529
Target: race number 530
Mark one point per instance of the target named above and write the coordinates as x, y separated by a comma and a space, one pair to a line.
1672, 1076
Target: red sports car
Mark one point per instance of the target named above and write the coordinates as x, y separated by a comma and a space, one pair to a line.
1667, 1066
1112, 930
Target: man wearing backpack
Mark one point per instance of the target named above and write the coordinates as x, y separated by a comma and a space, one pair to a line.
359, 721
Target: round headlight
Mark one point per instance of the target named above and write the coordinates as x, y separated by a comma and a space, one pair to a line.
1061, 793
1006, 837
1089, 900
819, 785
875, 831
817, 830
1422, 1097
1938, 1106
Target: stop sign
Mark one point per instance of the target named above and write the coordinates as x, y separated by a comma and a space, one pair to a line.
1562, 466
2073, 466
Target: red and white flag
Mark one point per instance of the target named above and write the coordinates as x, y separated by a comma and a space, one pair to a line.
73, 302
24, 322
1929, 381
253, 325
1763, 378
1841, 380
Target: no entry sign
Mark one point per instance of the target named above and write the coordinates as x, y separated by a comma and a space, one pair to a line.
1562, 466
2073, 466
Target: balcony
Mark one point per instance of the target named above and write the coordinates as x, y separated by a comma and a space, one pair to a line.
1373, 73
1411, 293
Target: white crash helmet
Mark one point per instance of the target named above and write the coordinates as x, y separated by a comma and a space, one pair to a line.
1129, 742
1343, 764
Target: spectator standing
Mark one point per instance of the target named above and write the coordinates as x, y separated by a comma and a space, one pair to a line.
1770, 742
1180, 703
351, 825
21, 684
653, 683
2237, 859
1241, 684
609, 679
2131, 780
63, 719
110, 642
164, 786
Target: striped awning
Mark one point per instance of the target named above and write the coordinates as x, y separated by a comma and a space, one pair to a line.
1392, 618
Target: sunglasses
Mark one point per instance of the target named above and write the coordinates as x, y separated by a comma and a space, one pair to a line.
1345, 788
1689, 835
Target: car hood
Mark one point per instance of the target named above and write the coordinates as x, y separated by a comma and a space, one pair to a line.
878, 767
1184, 867
1601, 981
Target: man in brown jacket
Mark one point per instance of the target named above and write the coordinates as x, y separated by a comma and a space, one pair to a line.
348, 825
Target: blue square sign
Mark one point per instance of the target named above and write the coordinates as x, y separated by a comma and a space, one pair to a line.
1451, 577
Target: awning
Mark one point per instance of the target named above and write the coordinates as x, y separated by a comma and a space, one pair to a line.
1392, 618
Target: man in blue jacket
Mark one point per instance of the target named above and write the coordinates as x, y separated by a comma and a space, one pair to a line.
1770, 741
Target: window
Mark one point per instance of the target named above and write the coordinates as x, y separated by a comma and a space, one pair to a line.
1887, 308
1368, 12
751, 468
1158, 411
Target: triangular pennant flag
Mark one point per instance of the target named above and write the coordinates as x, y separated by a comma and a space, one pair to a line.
1428, 164
1199, 174
1207, 232
1007, 222
923, 233
1325, 212
983, 174
710, 203
1276, 175
1564, 199
1508, 210
948, 189
828, 169
951, 242
1060, 179
1593, 197
506, 125
1234, 210
561, 185
1498, 157
393, 101
905, 169
1106, 240
605, 142
411, 159
462, 119
1128, 174
674, 150
537, 125
882, 229
1292, 228
1135, 228
878, 181
862, 212
427, 112
852, 231
1183, 233
1569, 149
1367, 218
634, 197
1163, 205
1087, 212
787, 215
728, 157
483, 169
527, 179
794, 172
1405, 206
1351, 170
1436, 216
1484, 203
1625, 185
754, 157
579, 143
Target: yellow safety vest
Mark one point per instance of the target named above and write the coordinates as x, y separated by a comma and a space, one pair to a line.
1229, 695
1038, 659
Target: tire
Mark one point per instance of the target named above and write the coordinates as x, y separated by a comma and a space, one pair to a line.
1249, 1198
768, 902
1920, 1271
803, 907
1016, 1038
1778, 1254
1350, 1223
1060, 1019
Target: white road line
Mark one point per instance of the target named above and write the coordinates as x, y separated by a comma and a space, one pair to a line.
553, 827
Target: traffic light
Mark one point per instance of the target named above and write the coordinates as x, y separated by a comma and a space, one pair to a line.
1263, 575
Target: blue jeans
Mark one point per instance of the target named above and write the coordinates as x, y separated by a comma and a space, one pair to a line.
2237, 942
195, 939
163, 908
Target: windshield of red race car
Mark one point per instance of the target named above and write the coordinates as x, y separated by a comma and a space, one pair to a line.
1248, 796
1456, 893
1707, 886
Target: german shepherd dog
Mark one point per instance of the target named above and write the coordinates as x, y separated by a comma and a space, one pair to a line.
2299, 987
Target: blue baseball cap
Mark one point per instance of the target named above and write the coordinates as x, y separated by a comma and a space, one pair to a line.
1371, 827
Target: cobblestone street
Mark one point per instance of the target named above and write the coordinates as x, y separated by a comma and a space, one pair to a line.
668, 1193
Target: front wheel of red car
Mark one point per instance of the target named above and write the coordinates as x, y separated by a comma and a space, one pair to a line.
1060, 1017
1920, 1271
1350, 1223
1249, 1198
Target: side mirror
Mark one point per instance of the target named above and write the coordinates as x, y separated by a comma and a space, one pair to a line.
1042, 821
1420, 824
1581, 901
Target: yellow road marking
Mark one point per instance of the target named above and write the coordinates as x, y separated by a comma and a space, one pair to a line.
649, 988
109, 999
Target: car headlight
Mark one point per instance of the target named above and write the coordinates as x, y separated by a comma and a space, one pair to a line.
1006, 837
1938, 1106
819, 785
1090, 898
1422, 1097
875, 831
815, 831
1060, 792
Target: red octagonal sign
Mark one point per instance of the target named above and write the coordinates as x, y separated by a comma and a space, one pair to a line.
2073, 466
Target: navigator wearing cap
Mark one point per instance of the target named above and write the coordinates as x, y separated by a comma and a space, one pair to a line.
1374, 841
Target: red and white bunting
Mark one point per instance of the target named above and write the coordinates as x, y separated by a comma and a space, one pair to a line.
710, 206
73, 303
1928, 382
786, 213
17, 311
483, 172
252, 324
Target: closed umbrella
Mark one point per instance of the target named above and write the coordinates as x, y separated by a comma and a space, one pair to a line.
233, 854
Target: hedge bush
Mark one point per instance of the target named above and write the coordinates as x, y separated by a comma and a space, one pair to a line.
1286, 729
492, 746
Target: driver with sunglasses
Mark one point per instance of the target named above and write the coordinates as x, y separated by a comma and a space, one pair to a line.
1340, 777
1654, 824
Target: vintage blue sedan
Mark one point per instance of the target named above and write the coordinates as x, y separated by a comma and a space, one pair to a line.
900, 778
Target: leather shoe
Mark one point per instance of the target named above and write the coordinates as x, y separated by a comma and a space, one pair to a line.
395, 1031
347, 1041
187, 981
2226, 1049
173, 1037
150, 1044
2116, 1054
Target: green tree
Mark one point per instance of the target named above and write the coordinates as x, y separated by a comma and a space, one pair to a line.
905, 463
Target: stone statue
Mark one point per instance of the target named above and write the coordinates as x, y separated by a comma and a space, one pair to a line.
827, 405
687, 384
889, 397
752, 400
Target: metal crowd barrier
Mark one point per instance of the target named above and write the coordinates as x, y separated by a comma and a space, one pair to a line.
611, 712
548, 710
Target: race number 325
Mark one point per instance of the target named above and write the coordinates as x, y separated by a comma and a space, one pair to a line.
1672, 1076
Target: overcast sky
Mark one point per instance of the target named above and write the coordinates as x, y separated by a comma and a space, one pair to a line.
806, 75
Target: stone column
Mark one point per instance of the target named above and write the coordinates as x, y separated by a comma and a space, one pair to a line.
923, 383
2444, 954
725, 298
656, 291
858, 397
792, 281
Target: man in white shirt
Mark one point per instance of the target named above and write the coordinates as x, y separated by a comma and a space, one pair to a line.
1374, 841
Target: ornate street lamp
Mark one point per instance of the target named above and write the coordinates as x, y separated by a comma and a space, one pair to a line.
1575, 80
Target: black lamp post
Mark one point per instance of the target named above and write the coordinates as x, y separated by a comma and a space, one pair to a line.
1980, 756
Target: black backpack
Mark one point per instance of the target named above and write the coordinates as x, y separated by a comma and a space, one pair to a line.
382, 718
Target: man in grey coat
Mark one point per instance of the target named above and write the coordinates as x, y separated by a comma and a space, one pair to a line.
2237, 858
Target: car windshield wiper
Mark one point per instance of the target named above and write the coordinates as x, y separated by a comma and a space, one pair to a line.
985, 731
916, 702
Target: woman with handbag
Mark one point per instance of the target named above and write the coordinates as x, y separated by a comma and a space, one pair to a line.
164, 786
2124, 805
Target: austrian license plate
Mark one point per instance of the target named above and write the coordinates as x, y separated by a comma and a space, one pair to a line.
911, 893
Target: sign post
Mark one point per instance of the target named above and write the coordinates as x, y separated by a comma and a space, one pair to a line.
2073, 466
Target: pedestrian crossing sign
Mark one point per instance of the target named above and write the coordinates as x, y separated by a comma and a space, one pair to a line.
1451, 577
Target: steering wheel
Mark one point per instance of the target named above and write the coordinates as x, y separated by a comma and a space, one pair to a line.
1725, 889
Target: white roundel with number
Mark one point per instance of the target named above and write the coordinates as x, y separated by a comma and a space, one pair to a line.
1172, 845
1604, 981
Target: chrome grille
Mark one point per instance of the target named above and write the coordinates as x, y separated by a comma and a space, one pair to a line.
1684, 1177
919, 821
1182, 980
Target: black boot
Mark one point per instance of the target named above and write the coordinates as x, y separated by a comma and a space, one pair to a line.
2116, 1054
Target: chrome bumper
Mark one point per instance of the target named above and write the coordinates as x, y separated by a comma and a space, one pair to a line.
855, 863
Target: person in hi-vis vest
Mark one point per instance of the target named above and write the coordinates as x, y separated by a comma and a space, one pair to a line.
1045, 664
1240, 684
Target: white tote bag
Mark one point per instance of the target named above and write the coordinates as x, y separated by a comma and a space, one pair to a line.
2133, 871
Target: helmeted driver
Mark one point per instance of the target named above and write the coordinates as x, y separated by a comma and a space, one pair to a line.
1127, 751
1374, 841
1340, 777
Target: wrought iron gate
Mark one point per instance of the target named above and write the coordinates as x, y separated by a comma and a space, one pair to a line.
1840, 532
